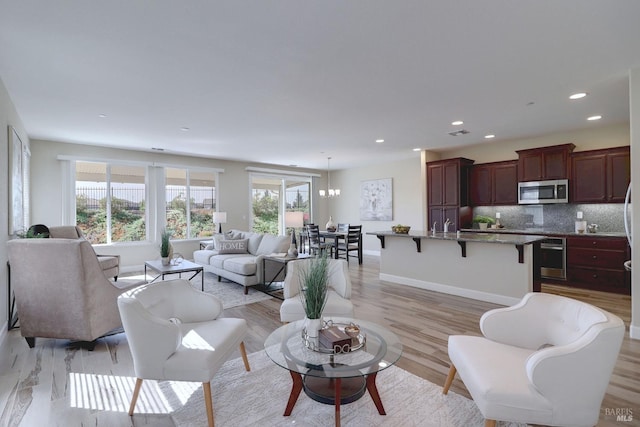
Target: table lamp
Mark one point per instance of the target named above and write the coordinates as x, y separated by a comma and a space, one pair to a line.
293, 220
219, 218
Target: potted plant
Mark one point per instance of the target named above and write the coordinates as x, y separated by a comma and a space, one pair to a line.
315, 283
483, 221
165, 246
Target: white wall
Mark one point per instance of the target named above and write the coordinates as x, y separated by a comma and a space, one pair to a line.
8, 117
408, 197
634, 112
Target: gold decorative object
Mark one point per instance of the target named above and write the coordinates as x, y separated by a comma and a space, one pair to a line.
400, 229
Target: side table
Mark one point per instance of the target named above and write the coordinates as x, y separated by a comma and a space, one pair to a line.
281, 266
184, 267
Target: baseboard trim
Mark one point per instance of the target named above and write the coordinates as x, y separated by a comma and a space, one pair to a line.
451, 290
634, 332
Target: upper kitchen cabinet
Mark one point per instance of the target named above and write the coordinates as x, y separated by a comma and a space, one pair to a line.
540, 164
600, 176
448, 191
494, 184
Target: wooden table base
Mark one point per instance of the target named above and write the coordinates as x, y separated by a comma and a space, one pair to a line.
338, 388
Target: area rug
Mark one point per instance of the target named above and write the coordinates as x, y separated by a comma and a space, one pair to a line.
259, 397
231, 294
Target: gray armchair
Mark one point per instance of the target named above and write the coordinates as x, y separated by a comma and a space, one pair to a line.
110, 263
61, 291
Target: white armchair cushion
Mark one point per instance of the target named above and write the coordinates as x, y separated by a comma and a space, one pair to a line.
193, 348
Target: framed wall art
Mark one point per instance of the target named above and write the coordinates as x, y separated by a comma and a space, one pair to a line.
376, 200
16, 190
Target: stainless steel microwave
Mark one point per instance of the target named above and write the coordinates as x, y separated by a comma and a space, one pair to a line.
538, 192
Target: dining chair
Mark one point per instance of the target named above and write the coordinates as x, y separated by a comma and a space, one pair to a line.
316, 245
352, 243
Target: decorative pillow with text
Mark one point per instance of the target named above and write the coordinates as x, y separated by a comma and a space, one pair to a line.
234, 246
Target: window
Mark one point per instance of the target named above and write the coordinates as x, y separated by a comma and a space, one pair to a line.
190, 202
110, 202
273, 195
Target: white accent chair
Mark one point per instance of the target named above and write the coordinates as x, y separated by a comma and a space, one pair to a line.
175, 333
546, 360
338, 297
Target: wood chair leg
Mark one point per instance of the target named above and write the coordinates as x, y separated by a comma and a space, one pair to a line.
447, 383
489, 423
243, 352
206, 387
134, 398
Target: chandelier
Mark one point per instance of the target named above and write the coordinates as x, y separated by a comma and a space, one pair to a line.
329, 192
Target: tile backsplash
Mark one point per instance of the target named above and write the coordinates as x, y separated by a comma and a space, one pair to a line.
558, 217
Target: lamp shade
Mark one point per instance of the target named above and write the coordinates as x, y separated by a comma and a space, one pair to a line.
294, 219
220, 217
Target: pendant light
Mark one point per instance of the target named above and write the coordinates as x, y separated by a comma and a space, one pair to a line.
329, 192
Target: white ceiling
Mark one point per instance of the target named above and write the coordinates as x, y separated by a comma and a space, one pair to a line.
295, 81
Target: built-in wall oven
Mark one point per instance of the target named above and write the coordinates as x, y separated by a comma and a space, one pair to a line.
553, 262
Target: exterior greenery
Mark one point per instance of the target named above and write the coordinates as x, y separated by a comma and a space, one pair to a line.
314, 282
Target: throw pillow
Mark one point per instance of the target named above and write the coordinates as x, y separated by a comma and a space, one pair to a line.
217, 238
234, 246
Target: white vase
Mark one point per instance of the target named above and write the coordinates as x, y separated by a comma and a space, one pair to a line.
330, 226
313, 327
166, 260
482, 225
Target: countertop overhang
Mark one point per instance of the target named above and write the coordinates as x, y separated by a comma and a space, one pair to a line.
466, 236
463, 237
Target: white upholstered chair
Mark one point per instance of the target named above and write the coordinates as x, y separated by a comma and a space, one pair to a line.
546, 360
338, 298
175, 333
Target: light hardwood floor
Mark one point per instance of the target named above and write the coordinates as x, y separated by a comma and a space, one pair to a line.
423, 320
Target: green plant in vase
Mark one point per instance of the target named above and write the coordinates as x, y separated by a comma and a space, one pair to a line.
483, 221
165, 246
315, 284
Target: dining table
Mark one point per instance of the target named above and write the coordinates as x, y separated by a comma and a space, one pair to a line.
336, 236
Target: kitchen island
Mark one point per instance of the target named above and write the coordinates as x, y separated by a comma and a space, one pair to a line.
493, 267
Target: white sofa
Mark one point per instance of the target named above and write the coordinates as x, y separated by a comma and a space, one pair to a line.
239, 256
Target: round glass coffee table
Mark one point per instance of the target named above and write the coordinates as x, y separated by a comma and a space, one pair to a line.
330, 377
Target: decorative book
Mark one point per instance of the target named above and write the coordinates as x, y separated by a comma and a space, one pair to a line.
335, 339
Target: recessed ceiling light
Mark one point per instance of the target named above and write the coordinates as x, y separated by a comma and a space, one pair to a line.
578, 95
457, 123
102, 116
184, 129
489, 136
379, 141
594, 118
417, 149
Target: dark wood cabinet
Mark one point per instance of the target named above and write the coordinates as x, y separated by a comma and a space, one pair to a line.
494, 184
600, 176
539, 164
598, 263
448, 193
